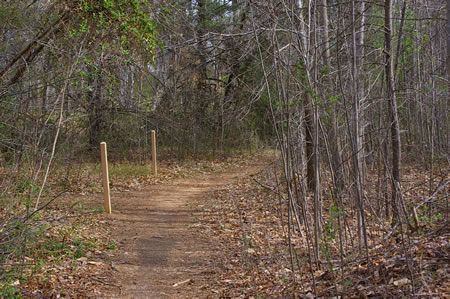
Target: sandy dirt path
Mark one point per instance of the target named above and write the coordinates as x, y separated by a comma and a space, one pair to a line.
159, 256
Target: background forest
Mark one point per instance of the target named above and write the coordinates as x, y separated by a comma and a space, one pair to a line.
353, 95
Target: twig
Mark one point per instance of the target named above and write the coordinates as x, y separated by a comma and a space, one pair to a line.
270, 188
68, 216
44, 206
16, 265
442, 183
105, 283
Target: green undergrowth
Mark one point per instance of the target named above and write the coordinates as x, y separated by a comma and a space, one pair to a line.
130, 170
52, 245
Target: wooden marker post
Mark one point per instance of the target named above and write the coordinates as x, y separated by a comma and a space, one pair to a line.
155, 169
106, 192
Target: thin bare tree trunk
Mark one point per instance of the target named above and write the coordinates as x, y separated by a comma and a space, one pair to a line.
61, 97
359, 26
362, 232
390, 94
336, 161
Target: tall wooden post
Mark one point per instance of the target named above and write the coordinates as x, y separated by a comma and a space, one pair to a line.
155, 169
106, 191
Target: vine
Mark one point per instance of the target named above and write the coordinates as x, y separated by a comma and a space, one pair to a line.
124, 25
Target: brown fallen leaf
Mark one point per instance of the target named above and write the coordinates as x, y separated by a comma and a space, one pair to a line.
401, 282
251, 251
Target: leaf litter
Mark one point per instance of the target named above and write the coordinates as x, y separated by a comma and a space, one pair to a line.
246, 226
66, 252
251, 257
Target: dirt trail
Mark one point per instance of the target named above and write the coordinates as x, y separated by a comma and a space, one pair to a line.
157, 249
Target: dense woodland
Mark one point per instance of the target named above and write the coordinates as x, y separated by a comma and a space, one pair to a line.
351, 95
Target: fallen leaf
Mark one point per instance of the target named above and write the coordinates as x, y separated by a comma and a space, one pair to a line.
401, 282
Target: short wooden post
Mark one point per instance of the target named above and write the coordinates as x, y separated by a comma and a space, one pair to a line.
155, 169
106, 192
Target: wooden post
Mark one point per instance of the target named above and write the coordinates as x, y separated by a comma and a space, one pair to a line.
106, 192
155, 169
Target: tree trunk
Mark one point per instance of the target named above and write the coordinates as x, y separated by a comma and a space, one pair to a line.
202, 101
390, 95
362, 232
336, 161
359, 22
309, 140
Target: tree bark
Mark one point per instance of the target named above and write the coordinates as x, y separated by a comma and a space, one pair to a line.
361, 93
362, 232
336, 160
390, 95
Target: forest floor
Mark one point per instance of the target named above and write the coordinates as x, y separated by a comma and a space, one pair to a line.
147, 248
210, 229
